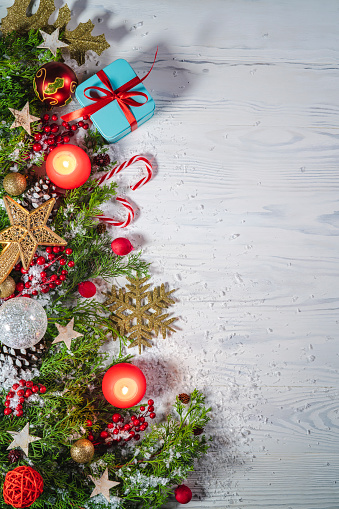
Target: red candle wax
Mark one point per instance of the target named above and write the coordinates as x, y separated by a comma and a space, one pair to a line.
124, 385
68, 166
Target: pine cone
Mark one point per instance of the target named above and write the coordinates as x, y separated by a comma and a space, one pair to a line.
198, 431
184, 398
21, 361
14, 455
101, 228
41, 191
101, 160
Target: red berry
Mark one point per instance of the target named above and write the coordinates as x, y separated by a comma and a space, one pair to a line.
85, 117
150, 402
31, 278
127, 427
43, 274
50, 149
7, 411
46, 117
54, 277
137, 428
11, 394
7, 403
41, 260
15, 387
81, 123
121, 246
74, 127
19, 286
89, 422
28, 284
50, 141
47, 129
37, 147
145, 424
64, 272
35, 389
85, 126
19, 413
71, 263
137, 437
62, 261
45, 290
67, 139
136, 422
133, 418
58, 282
55, 129
64, 123
35, 292
69, 251
150, 408
116, 417
37, 136
22, 383
24, 271
142, 408
142, 419
29, 383
28, 393
17, 266
62, 277
128, 439
56, 249
18, 407
152, 415
90, 438
104, 434
52, 286
54, 117
42, 389
21, 400
110, 425
49, 249
115, 431
132, 433
87, 289
25, 295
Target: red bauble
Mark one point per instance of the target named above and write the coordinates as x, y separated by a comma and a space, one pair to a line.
22, 487
183, 494
87, 289
55, 83
121, 246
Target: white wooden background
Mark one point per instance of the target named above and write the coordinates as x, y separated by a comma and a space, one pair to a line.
242, 217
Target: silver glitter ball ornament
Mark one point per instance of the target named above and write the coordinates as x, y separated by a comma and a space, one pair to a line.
23, 322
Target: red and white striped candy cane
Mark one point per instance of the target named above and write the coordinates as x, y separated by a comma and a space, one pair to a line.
126, 164
115, 222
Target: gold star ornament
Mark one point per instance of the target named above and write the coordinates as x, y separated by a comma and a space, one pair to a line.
22, 439
28, 230
66, 334
23, 118
52, 42
103, 485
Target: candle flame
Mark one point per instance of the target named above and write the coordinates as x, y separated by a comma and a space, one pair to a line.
124, 390
65, 164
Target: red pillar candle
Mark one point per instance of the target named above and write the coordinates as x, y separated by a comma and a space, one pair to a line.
124, 385
68, 166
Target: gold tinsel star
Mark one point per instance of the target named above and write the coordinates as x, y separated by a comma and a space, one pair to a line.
23, 118
22, 439
103, 485
28, 230
66, 334
51, 41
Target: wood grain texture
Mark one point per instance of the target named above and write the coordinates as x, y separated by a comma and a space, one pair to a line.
243, 218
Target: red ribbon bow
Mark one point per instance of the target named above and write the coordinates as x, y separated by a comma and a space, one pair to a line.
123, 95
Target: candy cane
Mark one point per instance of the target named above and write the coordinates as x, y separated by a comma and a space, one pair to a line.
115, 222
126, 164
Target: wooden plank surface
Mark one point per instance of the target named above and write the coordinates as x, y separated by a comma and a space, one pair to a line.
242, 217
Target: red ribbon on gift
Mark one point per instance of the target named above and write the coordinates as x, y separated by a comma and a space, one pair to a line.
123, 95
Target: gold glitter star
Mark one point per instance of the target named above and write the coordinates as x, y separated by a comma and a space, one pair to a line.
52, 42
66, 334
23, 118
22, 439
103, 485
28, 230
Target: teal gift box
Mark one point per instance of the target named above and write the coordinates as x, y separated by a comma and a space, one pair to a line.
121, 100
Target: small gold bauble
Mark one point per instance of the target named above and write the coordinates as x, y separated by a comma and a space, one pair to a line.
14, 183
7, 287
82, 451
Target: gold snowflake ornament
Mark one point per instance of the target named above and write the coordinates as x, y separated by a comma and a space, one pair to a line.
28, 230
138, 313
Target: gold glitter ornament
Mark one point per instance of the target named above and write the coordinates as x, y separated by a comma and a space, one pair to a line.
15, 183
18, 20
28, 230
82, 451
138, 313
7, 287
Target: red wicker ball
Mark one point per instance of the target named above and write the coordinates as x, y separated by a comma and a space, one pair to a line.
22, 486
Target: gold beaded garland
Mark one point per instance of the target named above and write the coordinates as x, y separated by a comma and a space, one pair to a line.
82, 451
15, 183
7, 287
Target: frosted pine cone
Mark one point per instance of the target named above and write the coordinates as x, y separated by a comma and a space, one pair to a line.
184, 398
40, 192
101, 160
14, 455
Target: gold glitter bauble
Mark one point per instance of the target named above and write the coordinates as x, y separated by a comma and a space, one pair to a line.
15, 183
7, 287
82, 451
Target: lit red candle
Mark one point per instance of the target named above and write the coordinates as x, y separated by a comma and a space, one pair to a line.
68, 166
124, 385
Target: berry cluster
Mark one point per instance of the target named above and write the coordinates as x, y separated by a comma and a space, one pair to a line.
19, 393
38, 278
116, 431
51, 135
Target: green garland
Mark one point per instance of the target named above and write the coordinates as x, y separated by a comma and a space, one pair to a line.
166, 454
